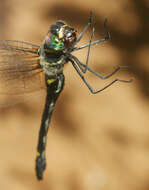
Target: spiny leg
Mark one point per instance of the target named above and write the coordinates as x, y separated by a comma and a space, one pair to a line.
89, 86
90, 40
80, 65
97, 41
85, 28
88, 52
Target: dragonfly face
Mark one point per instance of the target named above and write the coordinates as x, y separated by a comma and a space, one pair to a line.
60, 37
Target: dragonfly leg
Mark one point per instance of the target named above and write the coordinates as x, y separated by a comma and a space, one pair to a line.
89, 86
81, 66
89, 45
85, 28
88, 52
97, 41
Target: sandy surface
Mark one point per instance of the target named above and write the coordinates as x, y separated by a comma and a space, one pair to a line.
96, 142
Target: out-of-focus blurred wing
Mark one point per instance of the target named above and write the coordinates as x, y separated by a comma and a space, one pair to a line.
20, 71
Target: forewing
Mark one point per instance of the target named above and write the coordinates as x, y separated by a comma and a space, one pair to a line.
20, 71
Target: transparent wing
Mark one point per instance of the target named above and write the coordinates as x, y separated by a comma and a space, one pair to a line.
20, 71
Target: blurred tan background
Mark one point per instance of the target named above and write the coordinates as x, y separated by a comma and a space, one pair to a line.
95, 142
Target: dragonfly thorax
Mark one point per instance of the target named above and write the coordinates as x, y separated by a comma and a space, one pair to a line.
51, 62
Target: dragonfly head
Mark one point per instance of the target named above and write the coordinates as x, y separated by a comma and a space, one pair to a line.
60, 36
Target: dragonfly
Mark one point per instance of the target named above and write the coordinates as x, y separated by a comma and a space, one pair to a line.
25, 67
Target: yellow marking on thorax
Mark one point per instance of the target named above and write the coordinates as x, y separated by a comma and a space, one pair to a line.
49, 81
54, 63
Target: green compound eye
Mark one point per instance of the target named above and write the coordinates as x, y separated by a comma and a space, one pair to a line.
56, 43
